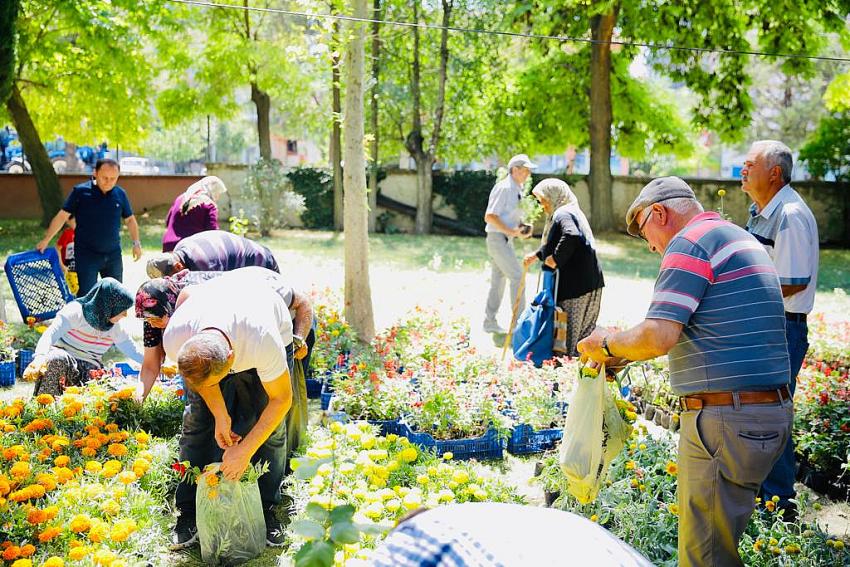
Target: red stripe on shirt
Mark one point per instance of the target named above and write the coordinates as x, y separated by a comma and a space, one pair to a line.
76, 335
701, 225
689, 264
746, 271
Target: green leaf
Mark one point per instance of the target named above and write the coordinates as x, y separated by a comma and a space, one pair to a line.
373, 529
317, 512
315, 554
306, 471
342, 513
308, 529
344, 532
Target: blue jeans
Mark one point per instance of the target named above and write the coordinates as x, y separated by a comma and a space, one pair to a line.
90, 263
245, 399
780, 481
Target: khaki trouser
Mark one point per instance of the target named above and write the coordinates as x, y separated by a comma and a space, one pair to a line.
724, 455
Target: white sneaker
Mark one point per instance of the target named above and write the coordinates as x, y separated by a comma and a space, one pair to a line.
494, 328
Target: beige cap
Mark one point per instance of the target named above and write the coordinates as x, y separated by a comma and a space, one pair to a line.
521, 160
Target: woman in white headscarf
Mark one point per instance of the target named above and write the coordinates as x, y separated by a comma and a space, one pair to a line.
193, 211
568, 246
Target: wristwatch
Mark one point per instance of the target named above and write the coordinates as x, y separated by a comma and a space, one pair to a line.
137, 243
605, 348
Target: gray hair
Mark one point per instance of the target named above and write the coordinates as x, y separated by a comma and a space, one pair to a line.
161, 265
776, 153
683, 205
202, 356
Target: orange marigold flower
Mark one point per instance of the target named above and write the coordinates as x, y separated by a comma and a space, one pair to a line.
36, 516
63, 474
672, 468
49, 533
45, 399
88, 452
11, 553
127, 477
47, 480
62, 461
20, 470
27, 550
117, 450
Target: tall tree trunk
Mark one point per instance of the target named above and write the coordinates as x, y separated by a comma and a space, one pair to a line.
46, 180
336, 134
601, 117
358, 292
262, 101
8, 22
376, 67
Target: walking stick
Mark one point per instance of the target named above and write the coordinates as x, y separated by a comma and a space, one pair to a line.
514, 313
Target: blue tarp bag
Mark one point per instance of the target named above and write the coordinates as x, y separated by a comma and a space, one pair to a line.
534, 334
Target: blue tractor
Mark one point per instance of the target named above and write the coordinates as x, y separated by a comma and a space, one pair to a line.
13, 160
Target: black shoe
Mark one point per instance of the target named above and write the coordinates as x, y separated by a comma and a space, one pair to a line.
274, 529
185, 532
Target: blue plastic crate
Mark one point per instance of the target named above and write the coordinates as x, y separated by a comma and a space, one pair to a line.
487, 446
25, 356
314, 388
38, 283
525, 440
7, 374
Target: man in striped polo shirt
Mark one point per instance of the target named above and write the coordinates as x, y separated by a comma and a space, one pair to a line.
717, 313
211, 251
783, 223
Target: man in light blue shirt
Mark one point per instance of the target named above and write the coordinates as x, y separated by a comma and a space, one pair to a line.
503, 217
786, 227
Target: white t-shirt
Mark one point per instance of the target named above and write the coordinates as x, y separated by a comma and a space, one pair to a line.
248, 311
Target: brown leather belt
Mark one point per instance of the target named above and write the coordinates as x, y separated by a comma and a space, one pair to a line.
699, 401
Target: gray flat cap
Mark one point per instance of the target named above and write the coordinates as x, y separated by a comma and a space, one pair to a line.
657, 190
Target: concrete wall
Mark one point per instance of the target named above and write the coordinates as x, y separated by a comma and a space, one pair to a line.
19, 197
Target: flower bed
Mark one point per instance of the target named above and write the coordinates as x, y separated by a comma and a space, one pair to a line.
351, 485
75, 485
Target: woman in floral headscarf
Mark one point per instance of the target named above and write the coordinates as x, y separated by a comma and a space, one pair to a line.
74, 343
568, 246
193, 211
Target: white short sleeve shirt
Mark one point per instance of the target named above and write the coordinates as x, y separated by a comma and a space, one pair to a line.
788, 230
250, 312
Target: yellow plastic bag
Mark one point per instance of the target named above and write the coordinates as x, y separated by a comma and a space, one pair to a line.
594, 434
231, 528
582, 447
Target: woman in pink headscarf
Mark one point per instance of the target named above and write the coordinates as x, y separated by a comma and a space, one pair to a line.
193, 211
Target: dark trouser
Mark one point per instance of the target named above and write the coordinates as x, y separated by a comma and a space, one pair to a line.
90, 263
780, 481
245, 399
63, 370
310, 341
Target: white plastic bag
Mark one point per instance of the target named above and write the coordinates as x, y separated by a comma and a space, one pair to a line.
594, 434
582, 445
231, 528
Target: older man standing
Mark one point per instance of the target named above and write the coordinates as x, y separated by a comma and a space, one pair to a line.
717, 310
503, 217
233, 347
98, 206
783, 223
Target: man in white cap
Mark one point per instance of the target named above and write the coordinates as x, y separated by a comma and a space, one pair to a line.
503, 218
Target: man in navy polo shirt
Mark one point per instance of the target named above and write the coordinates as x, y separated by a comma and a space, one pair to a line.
98, 205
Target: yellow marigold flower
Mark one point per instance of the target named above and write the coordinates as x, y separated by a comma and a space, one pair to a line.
63, 474
672, 468
78, 553
838, 544
408, 454
62, 461
22, 563
93, 467
630, 465
99, 531
642, 446
122, 530
20, 470
80, 523
594, 518
110, 507
103, 557
212, 494
674, 509
142, 438
770, 505
53, 561
47, 480
447, 456
792, 548
117, 450
44, 399
127, 477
